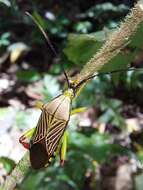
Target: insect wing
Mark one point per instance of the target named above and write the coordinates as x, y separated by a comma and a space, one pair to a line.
41, 128
49, 131
54, 135
45, 119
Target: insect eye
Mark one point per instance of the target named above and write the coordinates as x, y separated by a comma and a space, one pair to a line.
72, 84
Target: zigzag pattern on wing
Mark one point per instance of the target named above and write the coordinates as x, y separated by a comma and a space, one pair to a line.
54, 135
42, 127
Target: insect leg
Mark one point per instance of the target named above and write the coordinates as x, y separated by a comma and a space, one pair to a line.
26, 137
63, 149
78, 110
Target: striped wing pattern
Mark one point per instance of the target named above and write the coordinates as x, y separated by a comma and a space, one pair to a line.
54, 135
51, 129
42, 127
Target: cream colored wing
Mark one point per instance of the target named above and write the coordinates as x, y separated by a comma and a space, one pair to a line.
42, 127
54, 135
52, 122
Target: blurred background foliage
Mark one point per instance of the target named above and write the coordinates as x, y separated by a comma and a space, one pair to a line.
104, 139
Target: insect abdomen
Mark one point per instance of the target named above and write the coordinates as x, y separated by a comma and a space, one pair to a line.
38, 155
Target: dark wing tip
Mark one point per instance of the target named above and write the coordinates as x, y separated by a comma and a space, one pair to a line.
38, 156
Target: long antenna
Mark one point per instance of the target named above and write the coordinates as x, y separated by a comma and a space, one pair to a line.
106, 73
48, 41
43, 32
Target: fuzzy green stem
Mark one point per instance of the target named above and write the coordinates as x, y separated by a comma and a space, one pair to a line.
114, 43
18, 173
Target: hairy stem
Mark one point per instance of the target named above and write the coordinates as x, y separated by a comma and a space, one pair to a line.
109, 50
18, 173
116, 41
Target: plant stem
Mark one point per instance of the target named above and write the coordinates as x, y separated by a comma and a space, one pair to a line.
18, 173
115, 42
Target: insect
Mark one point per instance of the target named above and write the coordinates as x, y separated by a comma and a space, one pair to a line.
53, 121
50, 132
51, 126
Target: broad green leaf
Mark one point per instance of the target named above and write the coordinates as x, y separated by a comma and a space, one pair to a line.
80, 48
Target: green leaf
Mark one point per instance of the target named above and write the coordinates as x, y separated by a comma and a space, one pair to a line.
65, 178
40, 19
83, 27
6, 2
98, 146
101, 9
33, 181
110, 103
4, 39
140, 156
136, 79
121, 61
80, 48
28, 76
8, 163
112, 109
136, 38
